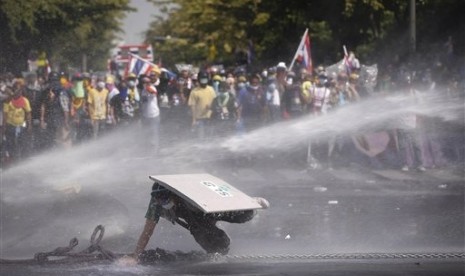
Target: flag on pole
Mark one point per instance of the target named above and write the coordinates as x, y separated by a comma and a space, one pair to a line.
346, 60
303, 53
139, 66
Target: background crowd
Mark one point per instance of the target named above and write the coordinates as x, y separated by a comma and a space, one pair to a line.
62, 110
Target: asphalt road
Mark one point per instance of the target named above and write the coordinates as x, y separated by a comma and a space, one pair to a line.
341, 211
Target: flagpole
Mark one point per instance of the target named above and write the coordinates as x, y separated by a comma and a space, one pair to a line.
302, 42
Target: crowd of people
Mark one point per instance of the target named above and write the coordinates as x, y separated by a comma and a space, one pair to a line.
62, 110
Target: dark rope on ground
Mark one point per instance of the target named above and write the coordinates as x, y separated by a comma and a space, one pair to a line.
96, 253
64, 255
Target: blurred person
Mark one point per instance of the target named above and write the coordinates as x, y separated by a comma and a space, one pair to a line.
97, 106
33, 93
125, 104
231, 81
150, 111
81, 126
320, 95
195, 83
200, 102
113, 91
224, 111
64, 137
17, 121
251, 104
293, 100
87, 81
345, 90
274, 91
5, 94
340, 96
176, 120
355, 89
240, 84
116, 105
216, 83
408, 133
55, 112
133, 95
130, 97
306, 90
185, 85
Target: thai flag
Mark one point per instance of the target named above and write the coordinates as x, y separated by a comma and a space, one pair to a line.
138, 66
304, 54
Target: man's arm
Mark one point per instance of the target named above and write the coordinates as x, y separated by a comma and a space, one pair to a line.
131, 260
144, 237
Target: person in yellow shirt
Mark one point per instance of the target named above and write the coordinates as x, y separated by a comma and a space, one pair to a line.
200, 101
97, 101
306, 89
17, 119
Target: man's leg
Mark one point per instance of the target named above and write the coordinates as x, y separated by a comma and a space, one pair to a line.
211, 238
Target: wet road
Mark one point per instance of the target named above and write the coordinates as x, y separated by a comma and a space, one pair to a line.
345, 210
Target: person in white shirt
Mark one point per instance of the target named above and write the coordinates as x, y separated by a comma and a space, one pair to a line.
150, 118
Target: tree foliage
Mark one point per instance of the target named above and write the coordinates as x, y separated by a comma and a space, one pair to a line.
64, 29
370, 27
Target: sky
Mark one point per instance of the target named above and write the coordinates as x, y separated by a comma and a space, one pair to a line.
136, 23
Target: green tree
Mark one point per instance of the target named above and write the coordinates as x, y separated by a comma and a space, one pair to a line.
370, 27
64, 29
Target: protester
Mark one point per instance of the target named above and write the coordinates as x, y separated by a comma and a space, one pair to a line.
55, 112
97, 105
251, 104
320, 95
293, 101
17, 122
81, 127
224, 111
200, 101
150, 116
274, 92
408, 133
165, 204
33, 93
